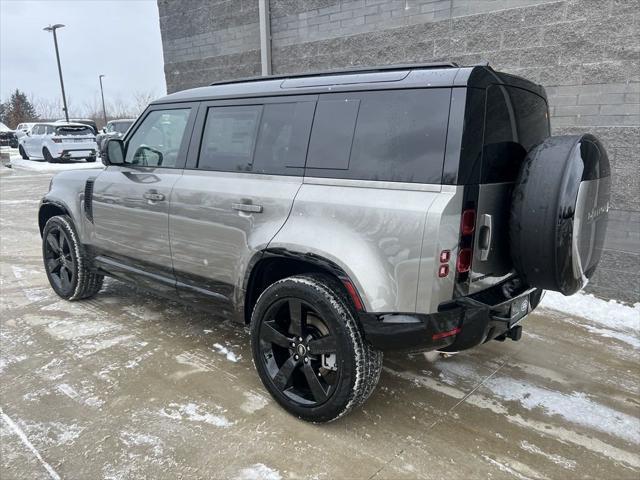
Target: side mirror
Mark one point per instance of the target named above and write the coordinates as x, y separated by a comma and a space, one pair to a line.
113, 153
28, 133
147, 156
104, 129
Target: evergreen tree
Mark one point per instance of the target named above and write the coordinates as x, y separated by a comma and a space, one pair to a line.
18, 110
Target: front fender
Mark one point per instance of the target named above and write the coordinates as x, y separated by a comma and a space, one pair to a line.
67, 194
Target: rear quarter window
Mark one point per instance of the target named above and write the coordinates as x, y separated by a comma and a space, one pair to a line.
394, 135
515, 121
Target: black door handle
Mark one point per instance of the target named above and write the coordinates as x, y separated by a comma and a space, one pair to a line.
153, 196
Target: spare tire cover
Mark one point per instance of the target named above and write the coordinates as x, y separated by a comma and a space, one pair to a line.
559, 212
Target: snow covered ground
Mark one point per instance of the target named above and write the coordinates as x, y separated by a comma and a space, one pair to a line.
606, 318
19, 163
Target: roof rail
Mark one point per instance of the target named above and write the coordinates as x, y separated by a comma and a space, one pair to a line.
380, 68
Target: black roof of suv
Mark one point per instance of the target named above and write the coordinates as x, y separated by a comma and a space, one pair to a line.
384, 77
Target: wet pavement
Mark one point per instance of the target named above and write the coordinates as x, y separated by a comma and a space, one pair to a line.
130, 386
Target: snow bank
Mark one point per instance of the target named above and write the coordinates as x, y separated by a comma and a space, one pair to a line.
610, 314
38, 166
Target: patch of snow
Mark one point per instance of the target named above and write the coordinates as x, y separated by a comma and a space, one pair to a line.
37, 166
503, 467
557, 459
25, 440
258, 471
576, 407
609, 314
232, 357
132, 439
253, 402
69, 329
7, 361
192, 413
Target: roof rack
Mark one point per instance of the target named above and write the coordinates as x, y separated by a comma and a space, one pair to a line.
381, 68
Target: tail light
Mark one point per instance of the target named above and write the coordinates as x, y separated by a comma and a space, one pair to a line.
468, 223
465, 247
57, 140
353, 293
463, 264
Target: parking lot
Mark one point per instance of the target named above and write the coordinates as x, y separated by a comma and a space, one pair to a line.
129, 386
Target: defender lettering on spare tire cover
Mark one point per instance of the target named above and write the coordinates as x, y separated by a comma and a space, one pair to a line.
559, 212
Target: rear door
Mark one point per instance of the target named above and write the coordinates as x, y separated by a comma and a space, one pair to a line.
515, 121
131, 201
246, 165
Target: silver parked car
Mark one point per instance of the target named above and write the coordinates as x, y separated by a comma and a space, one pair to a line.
420, 207
113, 129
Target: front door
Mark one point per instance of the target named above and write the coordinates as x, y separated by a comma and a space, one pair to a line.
34, 140
131, 201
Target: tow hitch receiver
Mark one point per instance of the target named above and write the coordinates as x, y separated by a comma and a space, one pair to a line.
514, 334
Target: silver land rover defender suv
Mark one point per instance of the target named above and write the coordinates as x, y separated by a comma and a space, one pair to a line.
340, 214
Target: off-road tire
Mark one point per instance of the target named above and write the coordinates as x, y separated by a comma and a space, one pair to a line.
85, 283
359, 363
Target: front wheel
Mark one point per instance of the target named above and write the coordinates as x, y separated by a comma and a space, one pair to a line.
23, 153
65, 261
308, 348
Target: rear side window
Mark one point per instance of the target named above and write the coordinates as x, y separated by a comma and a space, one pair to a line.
229, 137
396, 135
282, 140
515, 121
270, 139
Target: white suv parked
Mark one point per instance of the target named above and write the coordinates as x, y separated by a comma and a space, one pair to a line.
23, 128
55, 142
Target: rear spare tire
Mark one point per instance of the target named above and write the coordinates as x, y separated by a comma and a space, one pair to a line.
559, 212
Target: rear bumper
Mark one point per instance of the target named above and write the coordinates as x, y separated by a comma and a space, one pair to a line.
460, 325
69, 153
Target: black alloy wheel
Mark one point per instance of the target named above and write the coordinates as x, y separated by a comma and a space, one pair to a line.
59, 260
299, 352
66, 261
309, 350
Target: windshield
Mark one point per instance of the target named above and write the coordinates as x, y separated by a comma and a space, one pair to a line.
74, 131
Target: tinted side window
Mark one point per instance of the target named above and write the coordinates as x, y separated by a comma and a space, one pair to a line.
283, 137
332, 134
229, 137
398, 135
515, 121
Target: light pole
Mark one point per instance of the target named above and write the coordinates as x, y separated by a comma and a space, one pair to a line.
104, 110
53, 28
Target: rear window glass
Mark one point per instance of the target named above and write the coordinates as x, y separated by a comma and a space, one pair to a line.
396, 135
74, 131
515, 121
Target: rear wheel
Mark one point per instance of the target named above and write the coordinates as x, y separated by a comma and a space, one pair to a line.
309, 351
65, 261
23, 153
46, 154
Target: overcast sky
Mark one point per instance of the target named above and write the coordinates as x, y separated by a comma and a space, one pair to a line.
117, 38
